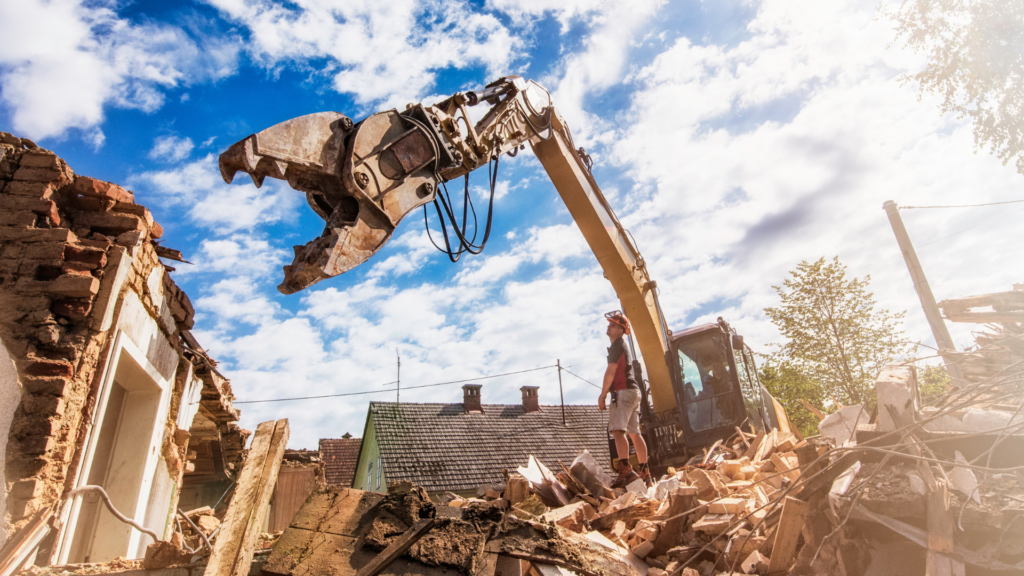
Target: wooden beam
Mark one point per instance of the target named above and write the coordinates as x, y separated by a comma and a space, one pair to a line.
940, 559
240, 532
397, 548
786, 535
754, 445
813, 409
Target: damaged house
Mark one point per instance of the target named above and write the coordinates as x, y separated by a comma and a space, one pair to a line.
460, 447
101, 383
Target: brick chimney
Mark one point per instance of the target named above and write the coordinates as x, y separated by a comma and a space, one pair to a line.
531, 403
471, 398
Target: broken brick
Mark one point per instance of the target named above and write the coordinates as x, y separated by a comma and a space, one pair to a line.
43, 404
30, 174
28, 488
40, 159
56, 386
89, 257
23, 219
36, 445
30, 189
50, 369
99, 189
75, 309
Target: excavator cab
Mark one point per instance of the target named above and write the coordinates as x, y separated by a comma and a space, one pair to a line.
716, 389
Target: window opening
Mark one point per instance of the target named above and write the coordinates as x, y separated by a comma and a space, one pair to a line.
707, 383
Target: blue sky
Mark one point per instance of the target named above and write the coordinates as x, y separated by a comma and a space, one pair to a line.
735, 139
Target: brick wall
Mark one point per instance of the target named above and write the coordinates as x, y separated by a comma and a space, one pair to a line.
71, 247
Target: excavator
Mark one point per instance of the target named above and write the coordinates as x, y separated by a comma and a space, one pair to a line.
363, 177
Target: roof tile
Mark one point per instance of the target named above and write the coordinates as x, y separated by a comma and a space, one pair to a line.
440, 447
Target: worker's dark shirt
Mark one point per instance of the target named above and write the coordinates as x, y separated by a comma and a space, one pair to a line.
618, 354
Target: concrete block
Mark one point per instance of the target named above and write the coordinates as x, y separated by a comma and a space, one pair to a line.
896, 385
842, 424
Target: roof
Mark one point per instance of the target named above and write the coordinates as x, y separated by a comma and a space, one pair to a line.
340, 456
440, 447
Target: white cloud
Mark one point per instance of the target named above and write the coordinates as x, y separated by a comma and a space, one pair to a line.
722, 210
64, 61
378, 50
220, 207
565, 11
240, 255
171, 148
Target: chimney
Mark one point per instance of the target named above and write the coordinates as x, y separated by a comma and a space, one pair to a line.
531, 403
471, 398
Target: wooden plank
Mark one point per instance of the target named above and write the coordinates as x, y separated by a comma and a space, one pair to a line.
940, 559
786, 535
743, 438
812, 409
18, 548
240, 531
754, 445
679, 501
765, 448
397, 548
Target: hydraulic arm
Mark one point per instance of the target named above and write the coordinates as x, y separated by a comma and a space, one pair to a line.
363, 178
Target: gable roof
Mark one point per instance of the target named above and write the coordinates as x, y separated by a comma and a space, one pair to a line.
340, 456
439, 447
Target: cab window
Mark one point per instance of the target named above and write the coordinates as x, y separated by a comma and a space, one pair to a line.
706, 383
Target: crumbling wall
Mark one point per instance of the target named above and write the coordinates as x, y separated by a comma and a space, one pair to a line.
78, 265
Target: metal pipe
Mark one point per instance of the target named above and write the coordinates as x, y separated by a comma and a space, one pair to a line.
110, 506
559, 364
197, 529
931, 310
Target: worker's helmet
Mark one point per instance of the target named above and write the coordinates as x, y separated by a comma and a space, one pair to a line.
616, 317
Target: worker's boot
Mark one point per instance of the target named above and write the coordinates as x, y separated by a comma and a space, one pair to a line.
645, 474
626, 475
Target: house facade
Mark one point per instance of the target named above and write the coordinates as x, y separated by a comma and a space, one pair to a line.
460, 447
101, 382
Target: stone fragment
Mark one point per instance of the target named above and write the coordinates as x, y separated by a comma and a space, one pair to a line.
163, 554
713, 523
727, 506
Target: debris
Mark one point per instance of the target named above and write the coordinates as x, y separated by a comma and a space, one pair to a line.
842, 424
234, 549
963, 479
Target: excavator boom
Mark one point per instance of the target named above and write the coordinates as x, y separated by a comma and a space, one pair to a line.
363, 178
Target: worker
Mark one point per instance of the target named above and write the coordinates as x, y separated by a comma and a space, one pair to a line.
624, 415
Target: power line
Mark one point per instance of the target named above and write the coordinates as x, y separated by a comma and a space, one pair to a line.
960, 206
581, 378
392, 389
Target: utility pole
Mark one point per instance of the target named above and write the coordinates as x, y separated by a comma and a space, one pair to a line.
398, 378
924, 293
559, 364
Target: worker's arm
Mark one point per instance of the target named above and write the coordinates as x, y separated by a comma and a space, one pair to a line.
609, 377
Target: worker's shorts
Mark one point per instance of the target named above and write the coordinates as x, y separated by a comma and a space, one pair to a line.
624, 411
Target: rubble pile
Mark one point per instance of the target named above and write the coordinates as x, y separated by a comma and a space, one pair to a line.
1002, 343
890, 494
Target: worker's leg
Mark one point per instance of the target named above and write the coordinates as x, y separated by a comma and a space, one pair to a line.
621, 444
640, 446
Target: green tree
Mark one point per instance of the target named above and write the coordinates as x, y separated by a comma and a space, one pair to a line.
975, 52
788, 385
933, 382
836, 339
